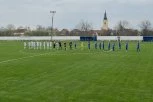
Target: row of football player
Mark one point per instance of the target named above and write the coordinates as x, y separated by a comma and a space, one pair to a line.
102, 46
58, 45
41, 45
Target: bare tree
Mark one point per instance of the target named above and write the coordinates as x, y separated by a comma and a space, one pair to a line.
145, 24
145, 27
85, 27
10, 27
20, 27
122, 25
40, 28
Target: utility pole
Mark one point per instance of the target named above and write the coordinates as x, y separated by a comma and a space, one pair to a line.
53, 13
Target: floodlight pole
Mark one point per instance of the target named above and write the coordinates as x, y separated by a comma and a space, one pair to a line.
53, 13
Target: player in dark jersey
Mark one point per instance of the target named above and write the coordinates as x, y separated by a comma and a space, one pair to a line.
65, 46
100, 45
109, 45
138, 46
127, 46
119, 45
54, 44
95, 45
60, 45
70, 44
89, 45
75, 45
103, 45
113, 47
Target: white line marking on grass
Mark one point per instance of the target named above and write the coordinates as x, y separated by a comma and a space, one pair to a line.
30, 53
107, 50
22, 58
55, 54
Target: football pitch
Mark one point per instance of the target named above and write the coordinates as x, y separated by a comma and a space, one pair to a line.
78, 75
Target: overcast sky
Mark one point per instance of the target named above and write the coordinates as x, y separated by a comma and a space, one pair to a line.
71, 12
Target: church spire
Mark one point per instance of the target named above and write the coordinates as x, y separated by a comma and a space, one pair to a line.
105, 16
105, 22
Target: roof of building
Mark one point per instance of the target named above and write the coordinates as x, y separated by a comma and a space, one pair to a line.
105, 16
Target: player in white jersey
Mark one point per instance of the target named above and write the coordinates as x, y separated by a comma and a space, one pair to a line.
44, 44
57, 45
29, 44
40, 45
25, 45
50, 45
37, 45
32, 45
47, 45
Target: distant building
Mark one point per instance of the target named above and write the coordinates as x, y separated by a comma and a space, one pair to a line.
75, 32
20, 31
105, 22
64, 32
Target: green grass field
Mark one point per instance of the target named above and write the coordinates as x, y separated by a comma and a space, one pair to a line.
75, 75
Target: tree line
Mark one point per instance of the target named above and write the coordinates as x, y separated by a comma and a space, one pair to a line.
83, 28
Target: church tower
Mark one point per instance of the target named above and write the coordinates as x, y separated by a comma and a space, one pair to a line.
105, 22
